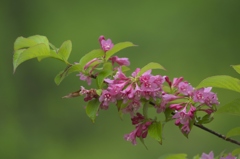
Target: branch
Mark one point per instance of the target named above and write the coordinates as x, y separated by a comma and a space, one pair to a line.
77, 93
217, 134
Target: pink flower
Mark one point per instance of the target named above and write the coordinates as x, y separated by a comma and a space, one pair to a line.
106, 98
229, 156
132, 107
105, 44
141, 130
134, 74
85, 78
120, 61
131, 137
165, 99
185, 88
183, 118
176, 81
205, 96
207, 156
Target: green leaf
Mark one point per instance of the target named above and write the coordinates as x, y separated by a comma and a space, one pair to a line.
151, 65
236, 68
65, 50
22, 42
51, 54
221, 81
89, 56
39, 39
106, 71
196, 157
206, 119
142, 141
174, 156
124, 68
69, 69
236, 152
233, 132
168, 114
99, 92
23, 55
232, 108
118, 47
155, 131
92, 109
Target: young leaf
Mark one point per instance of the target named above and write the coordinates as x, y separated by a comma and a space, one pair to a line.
155, 131
232, 108
22, 42
52, 54
92, 109
142, 141
174, 156
151, 65
221, 81
206, 119
125, 68
233, 132
39, 39
236, 68
65, 50
236, 152
89, 56
107, 71
118, 47
69, 69
26, 54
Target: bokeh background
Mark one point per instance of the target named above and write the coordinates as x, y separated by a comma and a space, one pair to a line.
193, 39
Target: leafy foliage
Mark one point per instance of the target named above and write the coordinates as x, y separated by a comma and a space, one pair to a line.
221, 81
232, 108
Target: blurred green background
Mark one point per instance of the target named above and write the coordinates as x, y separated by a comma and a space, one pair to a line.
193, 39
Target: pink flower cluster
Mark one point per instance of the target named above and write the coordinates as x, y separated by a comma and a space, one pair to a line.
89, 68
193, 100
128, 93
141, 130
131, 90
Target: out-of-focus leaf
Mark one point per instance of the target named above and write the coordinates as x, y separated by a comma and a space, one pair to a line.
236, 152
174, 156
221, 81
150, 66
92, 109
196, 157
142, 141
233, 132
155, 131
118, 47
232, 108
236, 68
125, 68
65, 50
106, 71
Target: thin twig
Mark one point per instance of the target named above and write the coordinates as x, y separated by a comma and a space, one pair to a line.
217, 134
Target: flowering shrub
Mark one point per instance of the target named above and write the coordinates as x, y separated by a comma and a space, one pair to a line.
133, 95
